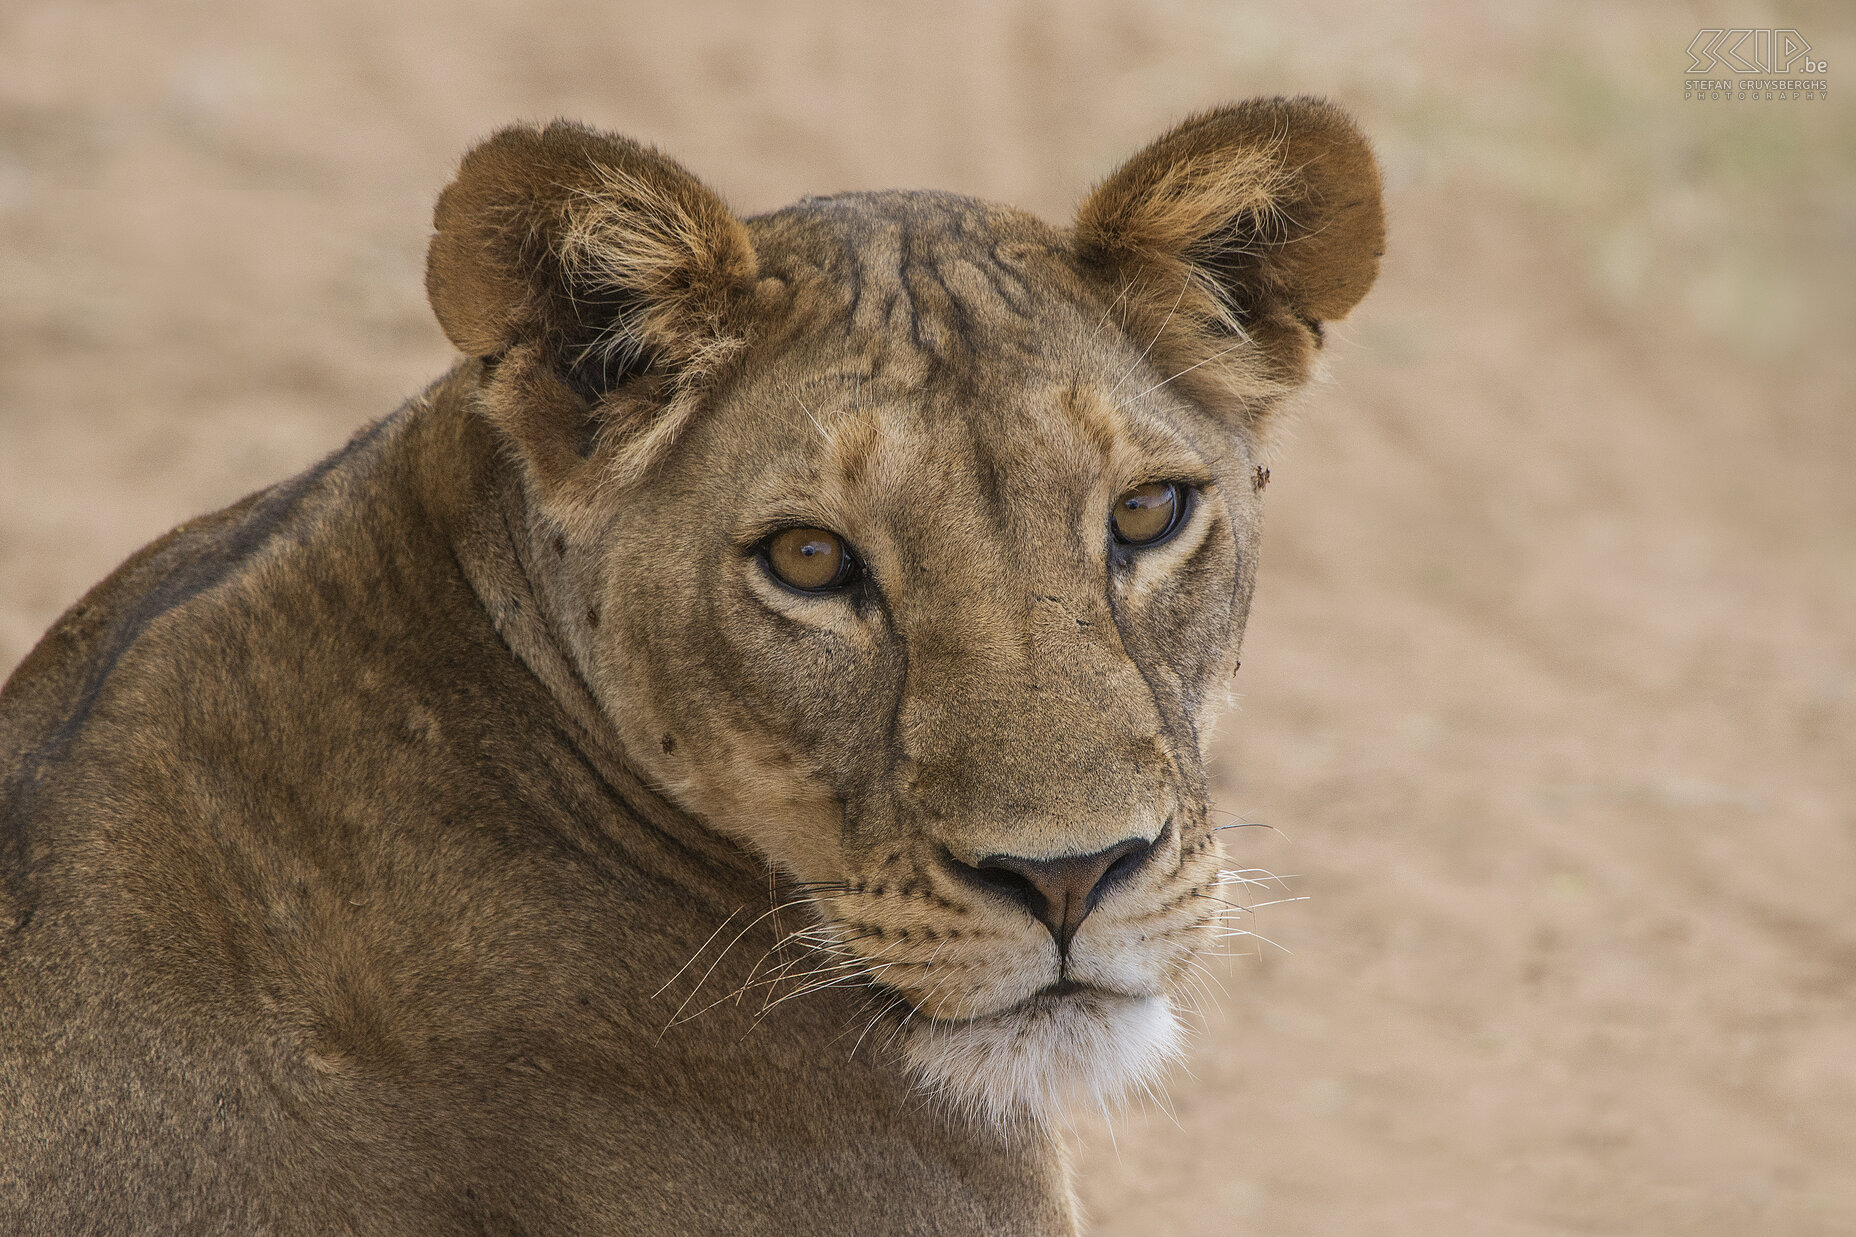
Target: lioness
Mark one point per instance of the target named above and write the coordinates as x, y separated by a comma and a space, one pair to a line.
727, 758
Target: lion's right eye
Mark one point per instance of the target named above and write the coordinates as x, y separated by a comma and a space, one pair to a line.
811, 560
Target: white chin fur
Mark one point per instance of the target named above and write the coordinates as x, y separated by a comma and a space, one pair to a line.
1040, 1062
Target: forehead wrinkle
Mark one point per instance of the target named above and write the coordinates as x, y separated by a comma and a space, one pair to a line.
994, 469
944, 277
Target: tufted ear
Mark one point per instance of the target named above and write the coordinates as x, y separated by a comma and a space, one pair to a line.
598, 280
1232, 239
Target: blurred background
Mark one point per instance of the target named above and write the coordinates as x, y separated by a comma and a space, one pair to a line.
1550, 689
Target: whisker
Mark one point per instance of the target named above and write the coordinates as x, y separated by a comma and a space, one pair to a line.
699, 949
675, 1017
811, 418
1182, 373
1150, 343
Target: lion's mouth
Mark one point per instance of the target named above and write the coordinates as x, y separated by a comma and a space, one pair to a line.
1062, 996
1065, 992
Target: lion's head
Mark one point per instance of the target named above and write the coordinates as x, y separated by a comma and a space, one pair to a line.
909, 540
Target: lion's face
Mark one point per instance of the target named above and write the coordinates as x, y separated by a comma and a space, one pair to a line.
919, 559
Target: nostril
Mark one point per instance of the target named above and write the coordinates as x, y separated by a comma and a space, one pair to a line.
1137, 854
989, 873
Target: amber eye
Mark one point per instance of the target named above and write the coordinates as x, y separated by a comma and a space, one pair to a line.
1147, 513
810, 559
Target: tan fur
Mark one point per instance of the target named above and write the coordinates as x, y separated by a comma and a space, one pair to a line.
470, 835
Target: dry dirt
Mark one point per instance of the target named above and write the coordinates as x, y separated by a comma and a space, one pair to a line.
1550, 691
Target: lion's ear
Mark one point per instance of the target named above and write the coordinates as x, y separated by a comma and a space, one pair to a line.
584, 266
1231, 239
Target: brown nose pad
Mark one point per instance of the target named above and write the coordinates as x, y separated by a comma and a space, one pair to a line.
1059, 892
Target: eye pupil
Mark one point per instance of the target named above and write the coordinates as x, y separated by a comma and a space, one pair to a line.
811, 560
1148, 513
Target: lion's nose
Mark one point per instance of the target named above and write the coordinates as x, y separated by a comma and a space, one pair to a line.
1060, 892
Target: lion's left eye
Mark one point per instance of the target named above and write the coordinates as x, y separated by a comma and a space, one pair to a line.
1148, 514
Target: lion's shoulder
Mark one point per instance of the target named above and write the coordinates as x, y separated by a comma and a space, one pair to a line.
134, 680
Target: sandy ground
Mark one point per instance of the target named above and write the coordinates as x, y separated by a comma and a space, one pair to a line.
1550, 691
